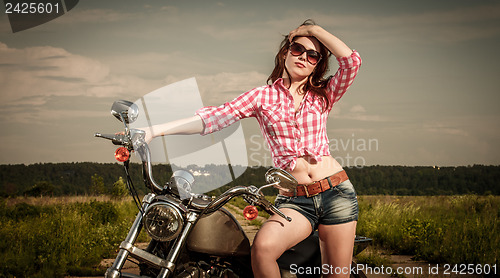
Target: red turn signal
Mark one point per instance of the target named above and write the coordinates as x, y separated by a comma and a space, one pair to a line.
250, 212
122, 154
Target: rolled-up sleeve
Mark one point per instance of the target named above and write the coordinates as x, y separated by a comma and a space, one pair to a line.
343, 78
217, 118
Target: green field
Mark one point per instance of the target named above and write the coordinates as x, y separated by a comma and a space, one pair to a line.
440, 229
54, 238
48, 237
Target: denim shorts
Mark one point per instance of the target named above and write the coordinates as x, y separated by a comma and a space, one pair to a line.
336, 205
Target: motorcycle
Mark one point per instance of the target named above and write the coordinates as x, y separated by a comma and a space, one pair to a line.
192, 234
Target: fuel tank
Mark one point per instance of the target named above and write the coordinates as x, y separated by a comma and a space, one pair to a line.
219, 234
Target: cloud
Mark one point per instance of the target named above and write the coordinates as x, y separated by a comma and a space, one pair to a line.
94, 16
449, 26
357, 112
34, 76
230, 33
456, 25
357, 109
170, 9
46, 70
35, 79
480, 127
151, 65
141, 47
219, 88
446, 129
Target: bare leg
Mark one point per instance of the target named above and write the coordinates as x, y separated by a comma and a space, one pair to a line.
275, 237
337, 242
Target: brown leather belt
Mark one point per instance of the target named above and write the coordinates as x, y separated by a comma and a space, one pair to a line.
313, 189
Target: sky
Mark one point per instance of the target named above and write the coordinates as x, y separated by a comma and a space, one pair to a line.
427, 92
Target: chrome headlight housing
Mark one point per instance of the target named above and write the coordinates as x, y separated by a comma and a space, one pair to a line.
163, 221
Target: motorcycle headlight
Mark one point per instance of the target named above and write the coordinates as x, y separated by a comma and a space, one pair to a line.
163, 222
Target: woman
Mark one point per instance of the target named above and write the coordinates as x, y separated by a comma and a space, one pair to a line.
292, 114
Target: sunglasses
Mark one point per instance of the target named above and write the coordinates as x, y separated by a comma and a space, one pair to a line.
313, 57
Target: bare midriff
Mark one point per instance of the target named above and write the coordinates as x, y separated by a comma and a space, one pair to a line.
308, 170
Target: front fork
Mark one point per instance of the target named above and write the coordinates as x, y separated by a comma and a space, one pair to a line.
114, 270
127, 246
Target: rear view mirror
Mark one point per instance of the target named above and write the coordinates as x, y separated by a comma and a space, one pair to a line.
125, 111
284, 179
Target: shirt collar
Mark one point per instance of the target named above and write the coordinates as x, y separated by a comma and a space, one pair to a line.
309, 97
279, 83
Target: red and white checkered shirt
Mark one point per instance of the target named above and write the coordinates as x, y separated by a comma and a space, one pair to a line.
289, 134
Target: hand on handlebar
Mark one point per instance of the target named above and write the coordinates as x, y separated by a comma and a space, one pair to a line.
148, 137
147, 134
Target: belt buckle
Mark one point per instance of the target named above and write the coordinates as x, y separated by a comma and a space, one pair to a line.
307, 191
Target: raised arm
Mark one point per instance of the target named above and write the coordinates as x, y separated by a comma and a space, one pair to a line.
337, 47
349, 60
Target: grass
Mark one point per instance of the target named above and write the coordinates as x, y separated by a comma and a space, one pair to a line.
240, 203
440, 229
52, 239
56, 237
373, 257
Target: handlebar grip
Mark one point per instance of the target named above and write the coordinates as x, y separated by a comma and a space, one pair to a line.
117, 139
278, 212
105, 136
269, 207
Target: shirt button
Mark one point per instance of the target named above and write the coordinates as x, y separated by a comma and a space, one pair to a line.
298, 139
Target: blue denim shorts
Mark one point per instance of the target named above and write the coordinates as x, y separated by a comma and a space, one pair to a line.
336, 205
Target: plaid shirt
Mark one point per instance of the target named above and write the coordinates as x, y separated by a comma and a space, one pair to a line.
290, 134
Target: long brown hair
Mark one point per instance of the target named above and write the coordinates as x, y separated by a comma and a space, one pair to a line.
316, 82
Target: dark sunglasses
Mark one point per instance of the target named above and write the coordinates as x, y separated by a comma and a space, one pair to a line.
313, 57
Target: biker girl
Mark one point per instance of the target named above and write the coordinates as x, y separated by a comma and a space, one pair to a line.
292, 114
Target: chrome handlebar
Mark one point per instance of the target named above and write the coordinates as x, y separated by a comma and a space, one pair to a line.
251, 194
117, 139
134, 140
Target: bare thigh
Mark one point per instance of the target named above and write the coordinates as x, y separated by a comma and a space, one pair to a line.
279, 235
337, 242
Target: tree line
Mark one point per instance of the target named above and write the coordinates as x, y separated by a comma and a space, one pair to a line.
85, 178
